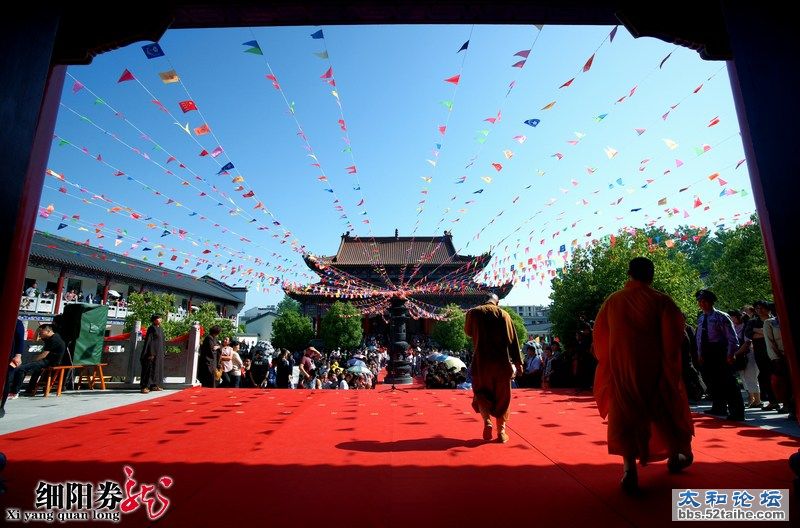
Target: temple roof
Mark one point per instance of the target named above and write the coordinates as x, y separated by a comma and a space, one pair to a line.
397, 251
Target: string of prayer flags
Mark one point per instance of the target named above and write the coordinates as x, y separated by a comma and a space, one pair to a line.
588, 65
187, 106
169, 77
126, 76
153, 50
253, 47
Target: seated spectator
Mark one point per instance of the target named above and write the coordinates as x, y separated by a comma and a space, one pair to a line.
51, 356
33, 290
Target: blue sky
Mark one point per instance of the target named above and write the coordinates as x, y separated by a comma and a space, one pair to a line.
391, 83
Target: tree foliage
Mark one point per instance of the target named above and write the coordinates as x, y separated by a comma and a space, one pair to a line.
519, 325
291, 330
141, 306
740, 275
595, 272
341, 327
450, 333
288, 304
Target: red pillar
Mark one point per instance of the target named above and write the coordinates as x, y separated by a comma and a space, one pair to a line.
189, 305
59, 289
105, 290
31, 91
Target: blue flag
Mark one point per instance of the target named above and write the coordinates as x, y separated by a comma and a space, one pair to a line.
227, 166
317, 35
153, 50
562, 249
533, 122
463, 47
62, 226
165, 233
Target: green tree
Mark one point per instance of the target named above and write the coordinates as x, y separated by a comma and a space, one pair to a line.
519, 325
142, 306
288, 304
291, 330
341, 327
740, 275
450, 333
593, 273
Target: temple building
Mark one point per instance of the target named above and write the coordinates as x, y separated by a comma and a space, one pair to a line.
428, 270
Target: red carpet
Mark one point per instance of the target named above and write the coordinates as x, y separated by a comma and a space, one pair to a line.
378, 459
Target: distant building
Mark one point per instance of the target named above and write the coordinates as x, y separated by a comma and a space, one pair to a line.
252, 313
65, 271
261, 325
536, 318
433, 259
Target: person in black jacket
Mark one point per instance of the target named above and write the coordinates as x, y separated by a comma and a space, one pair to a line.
209, 357
14, 359
51, 356
152, 357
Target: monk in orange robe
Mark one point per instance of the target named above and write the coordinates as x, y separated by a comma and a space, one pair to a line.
638, 383
496, 355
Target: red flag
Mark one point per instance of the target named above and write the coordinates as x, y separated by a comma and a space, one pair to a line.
126, 76
588, 64
454, 79
187, 106
497, 167
442, 129
203, 153
524, 54
697, 202
567, 83
328, 74
351, 169
248, 194
697, 89
202, 130
519, 64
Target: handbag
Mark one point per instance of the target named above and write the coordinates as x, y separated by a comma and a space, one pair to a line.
218, 373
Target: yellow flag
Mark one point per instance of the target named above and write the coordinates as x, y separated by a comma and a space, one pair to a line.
169, 77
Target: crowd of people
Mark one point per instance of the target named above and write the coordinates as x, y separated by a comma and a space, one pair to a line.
72, 296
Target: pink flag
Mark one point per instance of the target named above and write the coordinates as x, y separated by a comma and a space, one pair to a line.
697, 89
697, 202
342, 125
524, 53
713, 122
678, 163
640, 131
76, 87
588, 64
442, 129
519, 64
567, 83
171, 158
216, 152
454, 79
328, 74
351, 169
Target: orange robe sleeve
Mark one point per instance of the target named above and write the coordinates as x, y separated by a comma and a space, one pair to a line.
602, 376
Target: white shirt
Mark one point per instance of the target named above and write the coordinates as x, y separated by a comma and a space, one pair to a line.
343, 385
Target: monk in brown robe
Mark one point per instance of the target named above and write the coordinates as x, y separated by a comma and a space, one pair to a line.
638, 384
496, 349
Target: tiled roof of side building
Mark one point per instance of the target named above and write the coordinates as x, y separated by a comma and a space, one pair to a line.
47, 248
